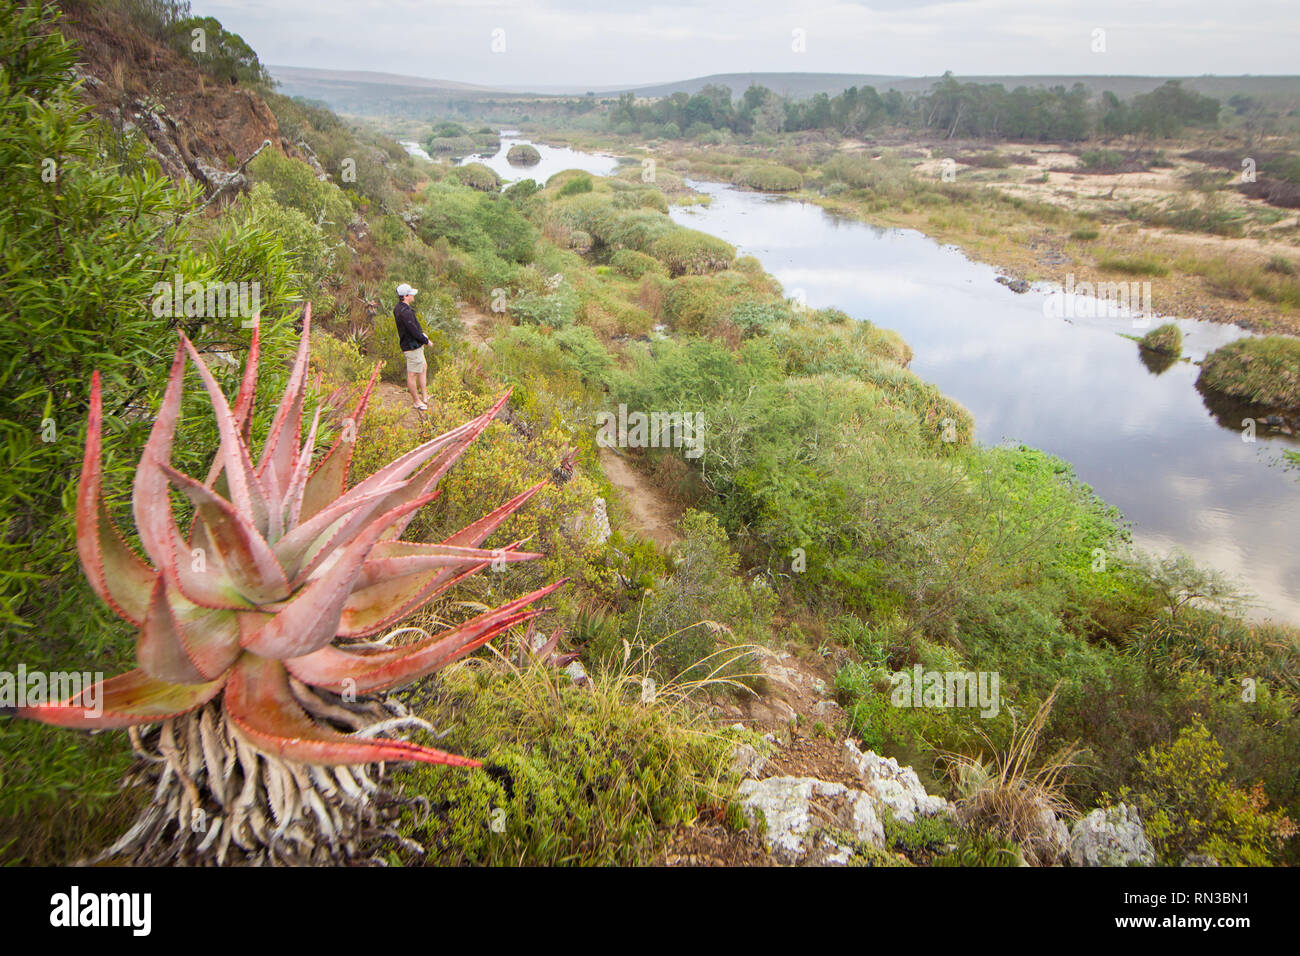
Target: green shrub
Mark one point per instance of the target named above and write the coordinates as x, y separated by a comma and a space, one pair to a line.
555, 309
477, 176
1134, 265
522, 154
634, 265
576, 186
769, 178
1164, 339
1263, 369
687, 624
1188, 806
293, 184
689, 252
1085, 234
574, 776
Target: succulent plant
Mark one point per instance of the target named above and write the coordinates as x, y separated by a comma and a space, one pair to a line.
251, 647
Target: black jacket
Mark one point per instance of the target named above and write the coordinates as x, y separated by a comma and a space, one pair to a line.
409, 332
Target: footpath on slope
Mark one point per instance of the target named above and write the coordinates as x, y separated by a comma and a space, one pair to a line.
795, 708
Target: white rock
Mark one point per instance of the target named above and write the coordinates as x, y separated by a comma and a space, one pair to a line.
1110, 837
897, 788
747, 760
790, 807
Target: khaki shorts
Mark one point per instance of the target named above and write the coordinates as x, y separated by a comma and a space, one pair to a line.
415, 362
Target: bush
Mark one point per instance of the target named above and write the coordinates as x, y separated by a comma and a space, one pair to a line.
689, 252
478, 176
575, 186
556, 309
1165, 340
688, 622
586, 776
522, 154
1262, 369
293, 184
770, 178
1188, 806
634, 265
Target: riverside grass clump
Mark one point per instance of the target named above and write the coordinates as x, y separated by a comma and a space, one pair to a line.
768, 178
1164, 339
1262, 369
522, 154
253, 659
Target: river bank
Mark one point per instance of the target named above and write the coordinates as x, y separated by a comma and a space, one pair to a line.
1038, 220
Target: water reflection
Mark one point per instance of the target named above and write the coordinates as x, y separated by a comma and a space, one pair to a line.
554, 159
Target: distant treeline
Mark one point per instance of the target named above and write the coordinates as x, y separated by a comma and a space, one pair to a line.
952, 108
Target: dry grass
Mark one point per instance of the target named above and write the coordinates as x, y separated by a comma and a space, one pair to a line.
1013, 794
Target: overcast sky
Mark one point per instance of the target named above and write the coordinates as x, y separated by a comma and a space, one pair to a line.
602, 43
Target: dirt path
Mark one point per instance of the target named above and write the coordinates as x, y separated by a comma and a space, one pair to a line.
649, 512
480, 326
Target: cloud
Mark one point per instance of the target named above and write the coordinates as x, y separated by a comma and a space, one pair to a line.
632, 42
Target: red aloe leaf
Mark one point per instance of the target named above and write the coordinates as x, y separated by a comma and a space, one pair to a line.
244, 400
320, 531
247, 559
373, 608
336, 668
124, 701
243, 410
395, 559
344, 534
310, 618
298, 481
246, 491
328, 482
546, 650
159, 650
210, 637
115, 572
432, 473
280, 453
401, 468
154, 520
262, 709
472, 535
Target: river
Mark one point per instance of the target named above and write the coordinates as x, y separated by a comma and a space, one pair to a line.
1143, 438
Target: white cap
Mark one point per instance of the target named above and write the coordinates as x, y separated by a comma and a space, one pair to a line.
405, 289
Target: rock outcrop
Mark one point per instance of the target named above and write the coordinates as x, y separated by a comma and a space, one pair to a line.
890, 785
1110, 837
796, 809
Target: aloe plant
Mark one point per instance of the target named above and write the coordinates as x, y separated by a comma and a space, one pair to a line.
257, 686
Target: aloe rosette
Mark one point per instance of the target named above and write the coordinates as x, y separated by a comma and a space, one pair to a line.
253, 655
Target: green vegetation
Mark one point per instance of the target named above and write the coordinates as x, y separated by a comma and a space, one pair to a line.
1188, 807
768, 178
1262, 369
839, 501
585, 776
1164, 339
522, 154
478, 176
950, 107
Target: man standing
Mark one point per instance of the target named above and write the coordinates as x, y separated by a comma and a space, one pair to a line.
413, 340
